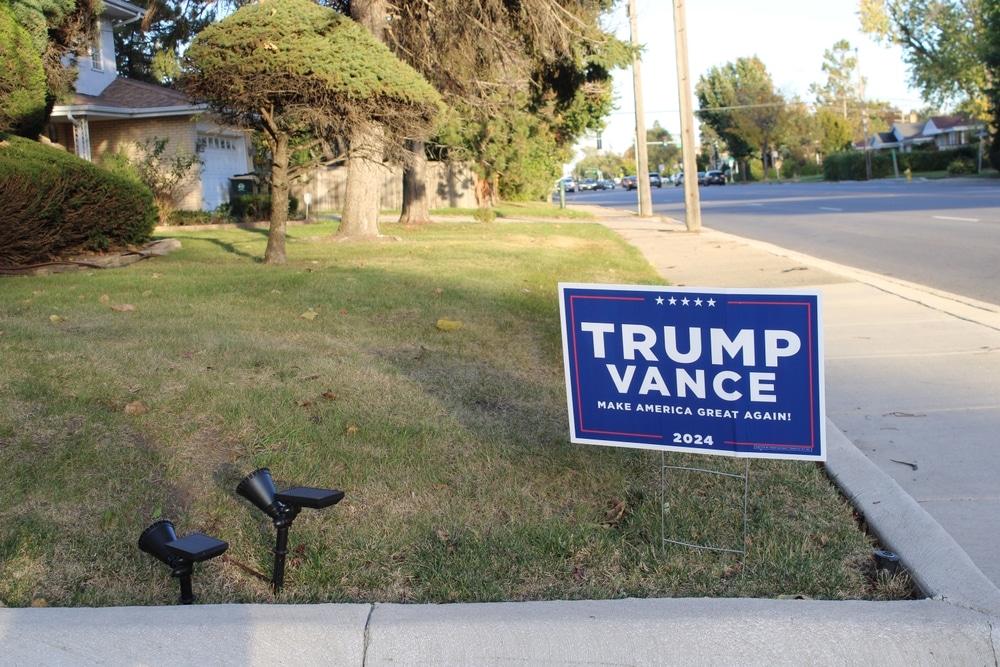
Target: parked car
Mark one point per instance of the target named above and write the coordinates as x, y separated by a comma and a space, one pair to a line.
701, 178
655, 180
715, 177
678, 179
607, 185
588, 184
628, 182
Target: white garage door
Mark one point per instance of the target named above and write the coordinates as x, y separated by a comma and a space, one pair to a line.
222, 158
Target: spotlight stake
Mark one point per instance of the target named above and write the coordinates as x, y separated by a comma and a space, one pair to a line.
160, 541
258, 488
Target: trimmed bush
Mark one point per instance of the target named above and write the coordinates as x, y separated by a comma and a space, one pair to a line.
961, 166
53, 204
250, 208
931, 159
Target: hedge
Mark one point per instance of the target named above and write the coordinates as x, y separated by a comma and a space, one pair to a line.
850, 165
53, 204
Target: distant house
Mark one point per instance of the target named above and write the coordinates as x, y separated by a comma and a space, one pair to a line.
109, 112
942, 131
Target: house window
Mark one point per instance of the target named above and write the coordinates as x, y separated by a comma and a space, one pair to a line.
96, 58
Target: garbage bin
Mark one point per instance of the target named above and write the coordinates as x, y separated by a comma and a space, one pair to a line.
242, 184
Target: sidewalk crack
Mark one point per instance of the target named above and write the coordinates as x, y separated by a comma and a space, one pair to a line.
364, 649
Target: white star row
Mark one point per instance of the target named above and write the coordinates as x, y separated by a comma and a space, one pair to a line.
673, 301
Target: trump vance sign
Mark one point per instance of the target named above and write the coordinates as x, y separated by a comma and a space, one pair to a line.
712, 371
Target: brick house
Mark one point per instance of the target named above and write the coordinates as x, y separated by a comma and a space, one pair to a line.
109, 112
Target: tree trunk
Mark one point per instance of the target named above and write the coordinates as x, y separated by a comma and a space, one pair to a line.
372, 15
415, 207
364, 164
275, 252
364, 182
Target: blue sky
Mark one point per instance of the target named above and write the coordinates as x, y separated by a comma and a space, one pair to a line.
789, 36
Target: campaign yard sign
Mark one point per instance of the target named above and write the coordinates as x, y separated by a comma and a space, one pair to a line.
712, 371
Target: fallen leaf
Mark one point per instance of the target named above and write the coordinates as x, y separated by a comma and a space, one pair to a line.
188, 355
443, 535
438, 290
300, 548
56, 319
303, 404
616, 511
309, 315
136, 408
156, 275
329, 395
39, 602
444, 324
578, 572
124, 308
104, 298
351, 430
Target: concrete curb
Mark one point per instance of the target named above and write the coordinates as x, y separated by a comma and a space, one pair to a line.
656, 632
940, 568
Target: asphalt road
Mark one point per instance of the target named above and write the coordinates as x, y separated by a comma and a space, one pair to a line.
944, 234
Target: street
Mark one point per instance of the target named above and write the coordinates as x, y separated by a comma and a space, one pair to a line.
943, 234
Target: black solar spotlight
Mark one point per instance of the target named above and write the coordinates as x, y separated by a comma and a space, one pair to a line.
283, 507
886, 561
160, 541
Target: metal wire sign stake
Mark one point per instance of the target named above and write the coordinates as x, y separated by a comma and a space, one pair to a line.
663, 507
698, 370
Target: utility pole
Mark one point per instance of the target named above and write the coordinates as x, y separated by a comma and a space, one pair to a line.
641, 154
864, 116
692, 201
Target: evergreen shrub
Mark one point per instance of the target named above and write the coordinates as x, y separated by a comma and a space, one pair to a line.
53, 204
22, 77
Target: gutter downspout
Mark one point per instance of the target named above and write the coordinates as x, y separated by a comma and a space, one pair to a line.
81, 135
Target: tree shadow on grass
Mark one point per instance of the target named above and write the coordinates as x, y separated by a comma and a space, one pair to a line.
233, 250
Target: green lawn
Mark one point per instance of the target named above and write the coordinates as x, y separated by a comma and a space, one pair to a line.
450, 445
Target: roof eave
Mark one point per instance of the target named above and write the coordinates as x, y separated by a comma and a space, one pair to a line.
96, 111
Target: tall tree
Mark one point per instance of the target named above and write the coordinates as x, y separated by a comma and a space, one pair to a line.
525, 79
840, 91
303, 74
991, 59
942, 42
59, 30
22, 77
739, 101
148, 50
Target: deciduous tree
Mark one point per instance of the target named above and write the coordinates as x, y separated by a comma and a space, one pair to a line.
942, 42
739, 101
301, 74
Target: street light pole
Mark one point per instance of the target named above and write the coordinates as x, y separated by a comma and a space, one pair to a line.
641, 154
692, 201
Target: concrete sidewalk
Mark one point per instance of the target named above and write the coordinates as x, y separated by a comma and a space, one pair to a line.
911, 391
